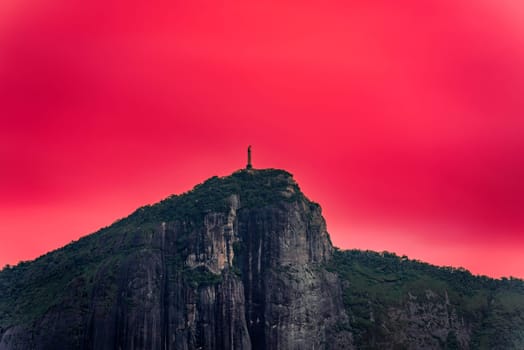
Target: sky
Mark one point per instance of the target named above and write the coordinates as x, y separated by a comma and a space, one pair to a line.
404, 119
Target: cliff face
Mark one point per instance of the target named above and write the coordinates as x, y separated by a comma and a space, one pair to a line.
235, 264
396, 303
245, 262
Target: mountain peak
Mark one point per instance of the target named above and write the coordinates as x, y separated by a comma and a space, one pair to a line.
245, 262
251, 188
234, 263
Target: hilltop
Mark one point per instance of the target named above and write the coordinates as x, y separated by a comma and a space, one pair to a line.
245, 262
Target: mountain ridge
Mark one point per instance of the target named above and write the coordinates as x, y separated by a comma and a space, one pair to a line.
245, 261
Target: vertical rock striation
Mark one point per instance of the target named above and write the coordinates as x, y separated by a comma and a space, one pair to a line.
237, 263
245, 262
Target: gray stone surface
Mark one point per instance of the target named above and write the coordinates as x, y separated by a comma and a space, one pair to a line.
266, 287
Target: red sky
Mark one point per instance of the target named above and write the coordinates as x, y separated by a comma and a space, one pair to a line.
403, 119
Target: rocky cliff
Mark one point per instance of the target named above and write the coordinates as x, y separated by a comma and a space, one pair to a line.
397, 303
245, 262
237, 263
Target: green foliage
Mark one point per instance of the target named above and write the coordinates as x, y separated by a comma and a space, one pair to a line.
201, 277
373, 282
376, 282
255, 188
30, 289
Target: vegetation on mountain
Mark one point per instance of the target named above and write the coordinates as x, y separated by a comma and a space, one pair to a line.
379, 283
31, 288
391, 302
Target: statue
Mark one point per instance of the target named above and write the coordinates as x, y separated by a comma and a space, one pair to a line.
249, 166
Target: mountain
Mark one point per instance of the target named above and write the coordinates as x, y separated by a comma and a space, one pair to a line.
245, 262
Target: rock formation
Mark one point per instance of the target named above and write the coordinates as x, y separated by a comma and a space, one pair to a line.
245, 262
235, 264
